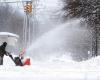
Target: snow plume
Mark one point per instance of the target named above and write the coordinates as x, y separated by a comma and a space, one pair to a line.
59, 41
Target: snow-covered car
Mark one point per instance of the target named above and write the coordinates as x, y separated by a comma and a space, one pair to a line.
10, 38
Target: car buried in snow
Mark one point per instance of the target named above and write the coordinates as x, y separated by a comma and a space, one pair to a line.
10, 38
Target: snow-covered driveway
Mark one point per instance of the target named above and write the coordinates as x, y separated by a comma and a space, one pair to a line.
69, 70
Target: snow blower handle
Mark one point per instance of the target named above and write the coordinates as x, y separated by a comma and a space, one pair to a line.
8, 54
11, 57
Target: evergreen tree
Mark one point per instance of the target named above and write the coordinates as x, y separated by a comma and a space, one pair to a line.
89, 10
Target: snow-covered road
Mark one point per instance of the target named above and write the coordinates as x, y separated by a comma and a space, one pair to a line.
58, 70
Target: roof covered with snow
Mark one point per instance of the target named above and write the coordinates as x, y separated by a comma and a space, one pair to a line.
9, 34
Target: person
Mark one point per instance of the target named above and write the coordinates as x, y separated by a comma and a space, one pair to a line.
3, 52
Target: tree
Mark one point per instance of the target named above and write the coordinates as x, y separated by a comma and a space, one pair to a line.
11, 21
89, 10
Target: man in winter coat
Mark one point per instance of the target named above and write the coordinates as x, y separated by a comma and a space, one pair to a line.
3, 52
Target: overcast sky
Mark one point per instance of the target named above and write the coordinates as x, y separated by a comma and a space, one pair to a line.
48, 4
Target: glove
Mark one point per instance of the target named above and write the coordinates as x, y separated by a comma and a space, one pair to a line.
10, 55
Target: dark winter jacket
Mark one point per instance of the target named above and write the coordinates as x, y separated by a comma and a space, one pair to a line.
2, 50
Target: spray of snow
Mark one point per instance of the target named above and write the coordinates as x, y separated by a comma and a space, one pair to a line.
57, 42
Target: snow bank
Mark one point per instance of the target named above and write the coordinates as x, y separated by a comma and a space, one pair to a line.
56, 70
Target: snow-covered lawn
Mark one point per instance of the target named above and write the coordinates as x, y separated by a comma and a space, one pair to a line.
56, 70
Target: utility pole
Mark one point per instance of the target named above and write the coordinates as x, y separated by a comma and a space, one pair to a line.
27, 26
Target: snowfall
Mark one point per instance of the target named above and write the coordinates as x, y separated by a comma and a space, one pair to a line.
57, 69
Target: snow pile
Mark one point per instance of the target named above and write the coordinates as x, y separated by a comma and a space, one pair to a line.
94, 62
57, 70
8, 61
